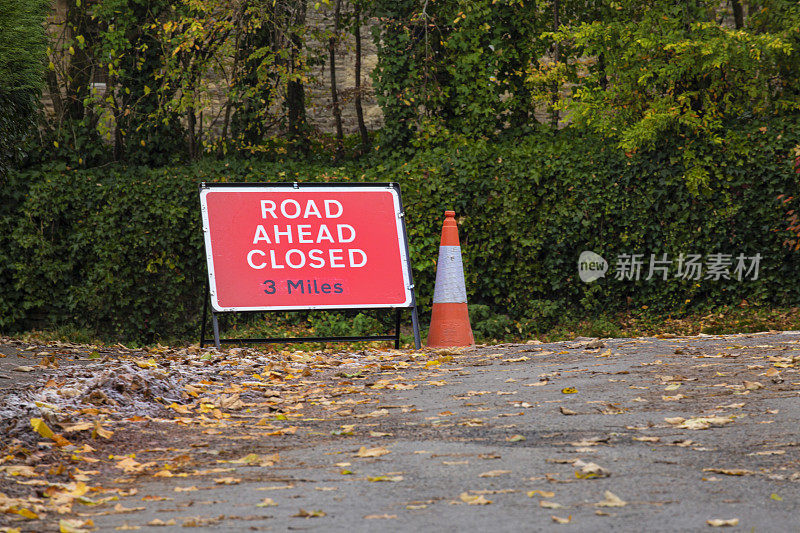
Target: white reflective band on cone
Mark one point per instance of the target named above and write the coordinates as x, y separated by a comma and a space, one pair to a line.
450, 286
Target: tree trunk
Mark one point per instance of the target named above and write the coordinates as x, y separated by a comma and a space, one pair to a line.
337, 112
738, 14
556, 59
79, 68
55, 95
295, 90
362, 128
601, 70
192, 119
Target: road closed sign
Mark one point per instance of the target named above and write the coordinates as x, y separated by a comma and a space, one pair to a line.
305, 246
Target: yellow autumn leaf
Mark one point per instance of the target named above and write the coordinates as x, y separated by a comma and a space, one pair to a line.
27, 513
309, 514
41, 428
100, 431
473, 499
74, 526
178, 408
384, 478
371, 452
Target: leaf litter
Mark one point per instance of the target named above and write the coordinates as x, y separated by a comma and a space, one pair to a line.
73, 405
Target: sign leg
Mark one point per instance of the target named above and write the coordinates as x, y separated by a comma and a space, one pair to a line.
397, 328
215, 324
205, 317
415, 325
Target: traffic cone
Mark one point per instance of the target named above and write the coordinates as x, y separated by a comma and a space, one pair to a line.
450, 317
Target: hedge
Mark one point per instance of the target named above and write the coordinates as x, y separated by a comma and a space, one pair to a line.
119, 249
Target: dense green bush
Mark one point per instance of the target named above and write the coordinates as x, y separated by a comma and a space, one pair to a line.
119, 249
22, 49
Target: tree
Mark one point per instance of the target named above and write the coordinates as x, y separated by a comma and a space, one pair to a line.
22, 60
683, 72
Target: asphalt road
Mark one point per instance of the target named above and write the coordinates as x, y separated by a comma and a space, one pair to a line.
478, 434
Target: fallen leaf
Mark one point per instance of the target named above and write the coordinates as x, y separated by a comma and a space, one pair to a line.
472, 499
611, 500
542, 493
769, 452
515, 438
309, 514
42, 429
730, 471
674, 398
718, 522
81, 426
384, 478
752, 385
178, 408
371, 452
569, 390
254, 459
100, 431
495, 473
550, 505
24, 512
131, 465
559, 520
227, 480
611, 409
381, 516
590, 470
74, 526
565, 411
159, 522
119, 508
699, 422
267, 502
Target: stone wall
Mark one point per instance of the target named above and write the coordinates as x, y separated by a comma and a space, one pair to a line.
318, 95
320, 110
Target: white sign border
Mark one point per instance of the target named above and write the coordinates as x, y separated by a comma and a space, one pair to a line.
303, 188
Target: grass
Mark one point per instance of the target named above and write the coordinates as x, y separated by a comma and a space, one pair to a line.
726, 320
721, 321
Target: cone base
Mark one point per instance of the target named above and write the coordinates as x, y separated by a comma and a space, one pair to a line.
450, 326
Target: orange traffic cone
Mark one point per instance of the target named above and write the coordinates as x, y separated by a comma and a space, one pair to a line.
450, 317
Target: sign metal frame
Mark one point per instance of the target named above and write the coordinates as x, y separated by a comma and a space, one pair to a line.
210, 291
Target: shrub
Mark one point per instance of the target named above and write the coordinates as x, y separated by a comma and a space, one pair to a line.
119, 249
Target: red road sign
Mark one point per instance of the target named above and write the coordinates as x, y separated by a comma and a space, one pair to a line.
274, 247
